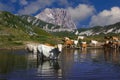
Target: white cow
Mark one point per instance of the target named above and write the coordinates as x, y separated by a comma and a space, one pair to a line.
50, 52
32, 47
75, 42
81, 37
94, 42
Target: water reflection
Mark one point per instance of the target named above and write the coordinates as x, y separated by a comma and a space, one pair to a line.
10, 61
96, 55
49, 69
76, 56
112, 55
92, 64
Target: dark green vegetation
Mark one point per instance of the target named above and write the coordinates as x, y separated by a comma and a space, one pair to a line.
64, 34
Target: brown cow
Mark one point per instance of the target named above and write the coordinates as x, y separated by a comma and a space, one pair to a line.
69, 43
111, 42
83, 45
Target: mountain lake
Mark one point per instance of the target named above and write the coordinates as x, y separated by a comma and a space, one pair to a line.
73, 64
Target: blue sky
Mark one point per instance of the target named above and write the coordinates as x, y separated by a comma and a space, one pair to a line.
85, 13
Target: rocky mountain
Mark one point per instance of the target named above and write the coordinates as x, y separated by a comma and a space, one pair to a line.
97, 30
58, 17
39, 23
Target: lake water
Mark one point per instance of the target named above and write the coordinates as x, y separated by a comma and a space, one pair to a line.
90, 64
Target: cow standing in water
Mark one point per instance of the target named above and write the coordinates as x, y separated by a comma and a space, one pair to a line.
83, 45
49, 52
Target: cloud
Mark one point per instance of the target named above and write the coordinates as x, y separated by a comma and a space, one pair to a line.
106, 17
36, 5
23, 2
33, 7
81, 12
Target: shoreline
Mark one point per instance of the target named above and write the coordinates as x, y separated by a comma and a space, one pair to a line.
23, 47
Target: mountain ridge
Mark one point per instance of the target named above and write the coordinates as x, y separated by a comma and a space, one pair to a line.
97, 30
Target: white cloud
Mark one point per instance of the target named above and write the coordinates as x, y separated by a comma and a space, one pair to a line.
81, 12
23, 2
106, 17
33, 7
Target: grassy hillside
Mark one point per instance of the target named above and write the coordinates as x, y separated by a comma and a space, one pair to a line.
63, 34
15, 31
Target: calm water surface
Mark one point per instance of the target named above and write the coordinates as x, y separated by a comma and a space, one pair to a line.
90, 64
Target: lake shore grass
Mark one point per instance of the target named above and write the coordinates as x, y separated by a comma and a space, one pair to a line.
13, 47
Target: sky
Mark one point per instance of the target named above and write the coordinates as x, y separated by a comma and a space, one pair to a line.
85, 13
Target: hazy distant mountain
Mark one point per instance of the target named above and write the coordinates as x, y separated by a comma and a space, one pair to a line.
58, 17
110, 29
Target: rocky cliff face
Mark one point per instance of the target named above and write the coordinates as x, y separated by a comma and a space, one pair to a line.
58, 17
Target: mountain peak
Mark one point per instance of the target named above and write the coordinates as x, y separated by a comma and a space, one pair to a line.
57, 16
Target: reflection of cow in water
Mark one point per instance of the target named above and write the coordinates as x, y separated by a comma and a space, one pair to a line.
50, 67
112, 55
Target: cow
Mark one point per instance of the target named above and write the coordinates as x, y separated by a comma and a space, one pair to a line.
80, 37
31, 47
94, 42
50, 52
83, 45
111, 42
68, 43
